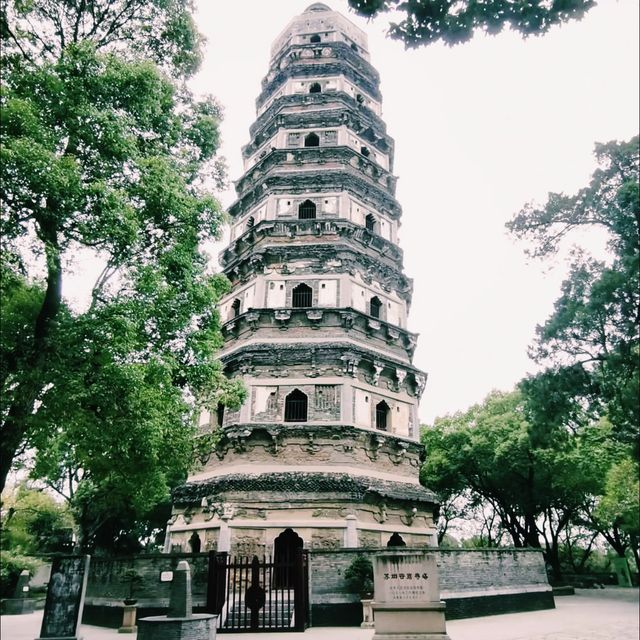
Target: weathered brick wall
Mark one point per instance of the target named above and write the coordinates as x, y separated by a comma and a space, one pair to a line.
472, 581
462, 572
106, 578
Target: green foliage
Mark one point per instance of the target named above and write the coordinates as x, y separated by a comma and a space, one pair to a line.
591, 344
454, 22
105, 156
359, 577
620, 503
12, 564
34, 523
535, 479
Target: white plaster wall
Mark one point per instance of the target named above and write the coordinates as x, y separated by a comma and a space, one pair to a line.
276, 293
400, 418
362, 408
358, 300
327, 293
261, 398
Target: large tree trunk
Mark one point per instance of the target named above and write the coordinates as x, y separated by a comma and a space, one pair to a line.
15, 426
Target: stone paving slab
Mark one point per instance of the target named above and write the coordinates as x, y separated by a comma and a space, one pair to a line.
608, 614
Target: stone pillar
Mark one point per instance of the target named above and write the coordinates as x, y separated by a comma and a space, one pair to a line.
180, 623
224, 537
351, 538
180, 605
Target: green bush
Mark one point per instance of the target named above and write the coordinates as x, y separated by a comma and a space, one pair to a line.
359, 577
11, 565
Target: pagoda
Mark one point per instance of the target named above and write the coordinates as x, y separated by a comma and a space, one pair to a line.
324, 452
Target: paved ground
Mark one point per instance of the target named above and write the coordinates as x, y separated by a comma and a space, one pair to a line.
609, 614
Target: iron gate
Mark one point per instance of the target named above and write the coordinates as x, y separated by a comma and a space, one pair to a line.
252, 594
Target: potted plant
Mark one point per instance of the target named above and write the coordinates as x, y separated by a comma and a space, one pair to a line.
133, 579
359, 579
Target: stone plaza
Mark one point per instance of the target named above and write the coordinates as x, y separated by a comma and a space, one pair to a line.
591, 614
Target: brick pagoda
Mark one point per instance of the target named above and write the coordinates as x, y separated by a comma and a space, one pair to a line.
324, 452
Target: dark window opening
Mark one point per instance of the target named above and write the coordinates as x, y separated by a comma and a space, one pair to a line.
195, 543
359, 98
396, 541
250, 222
365, 152
382, 411
235, 308
307, 210
302, 296
220, 414
370, 222
315, 38
312, 140
315, 88
354, 46
374, 307
295, 407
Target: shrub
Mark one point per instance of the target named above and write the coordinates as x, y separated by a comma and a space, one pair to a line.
359, 577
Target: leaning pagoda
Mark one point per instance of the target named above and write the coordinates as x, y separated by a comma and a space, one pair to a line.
324, 453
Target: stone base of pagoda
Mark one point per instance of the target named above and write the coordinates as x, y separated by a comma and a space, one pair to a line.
252, 514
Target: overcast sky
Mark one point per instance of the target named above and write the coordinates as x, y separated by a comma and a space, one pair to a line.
480, 130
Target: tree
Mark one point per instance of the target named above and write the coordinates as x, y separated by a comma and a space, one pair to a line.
429, 21
106, 156
590, 345
34, 523
617, 514
534, 481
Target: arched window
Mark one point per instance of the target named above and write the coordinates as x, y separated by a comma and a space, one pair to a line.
315, 88
312, 140
302, 296
359, 98
370, 222
235, 308
295, 407
396, 541
354, 46
374, 307
195, 543
250, 222
382, 411
307, 210
365, 152
315, 38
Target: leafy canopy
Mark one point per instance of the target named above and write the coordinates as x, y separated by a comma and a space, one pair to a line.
106, 159
456, 21
590, 344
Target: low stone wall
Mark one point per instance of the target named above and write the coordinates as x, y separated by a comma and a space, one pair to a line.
107, 588
473, 582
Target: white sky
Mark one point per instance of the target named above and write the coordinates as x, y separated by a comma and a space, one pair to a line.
480, 129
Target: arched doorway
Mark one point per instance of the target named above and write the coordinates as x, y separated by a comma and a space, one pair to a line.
285, 551
195, 543
396, 541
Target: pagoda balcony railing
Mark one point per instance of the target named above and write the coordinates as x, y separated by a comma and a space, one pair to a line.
344, 319
323, 226
343, 158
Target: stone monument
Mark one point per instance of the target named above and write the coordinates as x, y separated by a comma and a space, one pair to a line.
65, 598
20, 603
180, 623
407, 603
324, 453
